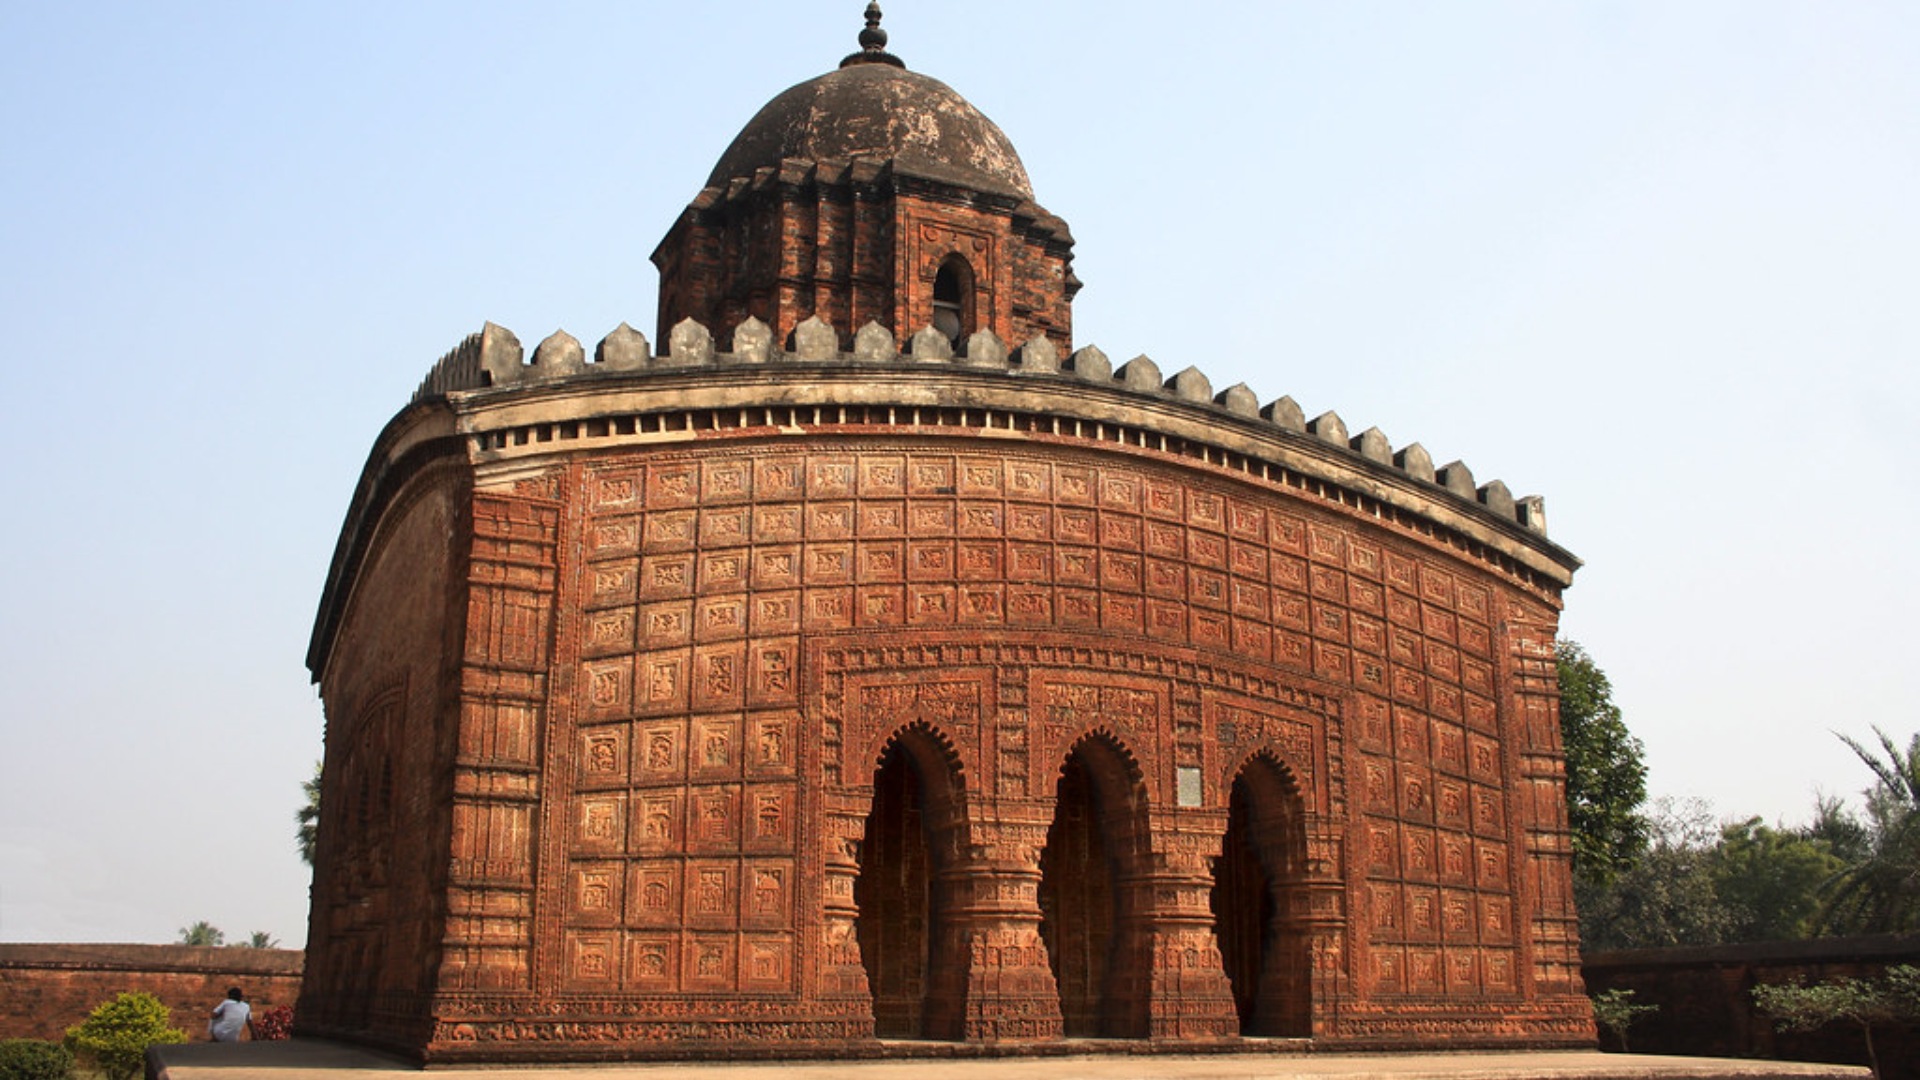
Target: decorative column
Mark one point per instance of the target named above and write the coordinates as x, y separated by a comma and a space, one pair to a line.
995, 917
498, 790
842, 988
1534, 727
1321, 917
1188, 996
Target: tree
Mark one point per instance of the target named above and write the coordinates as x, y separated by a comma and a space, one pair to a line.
1879, 892
1837, 827
259, 939
308, 816
1893, 998
1667, 896
117, 1033
1606, 771
1615, 1011
1769, 880
202, 933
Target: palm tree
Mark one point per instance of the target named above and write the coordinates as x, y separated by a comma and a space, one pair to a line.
309, 816
260, 939
1880, 892
202, 933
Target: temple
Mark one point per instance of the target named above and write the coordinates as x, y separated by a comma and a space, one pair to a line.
870, 670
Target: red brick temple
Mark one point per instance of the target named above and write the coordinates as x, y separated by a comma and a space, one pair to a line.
869, 670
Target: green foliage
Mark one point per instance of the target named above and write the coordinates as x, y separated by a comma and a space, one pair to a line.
1893, 998
308, 816
1879, 892
1769, 880
115, 1036
1606, 771
1668, 896
1835, 826
1748, 881
202, 933
259, 939
34, 1059
1615, 1011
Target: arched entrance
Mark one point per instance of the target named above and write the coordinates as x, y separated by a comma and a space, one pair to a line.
1096, 842
919, 987
1262, 860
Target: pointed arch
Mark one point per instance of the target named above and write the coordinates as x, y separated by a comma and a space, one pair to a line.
914, 839
1260, 872
1092, 874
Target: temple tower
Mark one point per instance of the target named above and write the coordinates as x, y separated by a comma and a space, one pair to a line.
870, 194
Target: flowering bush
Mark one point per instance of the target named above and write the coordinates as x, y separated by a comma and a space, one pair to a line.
273, 1024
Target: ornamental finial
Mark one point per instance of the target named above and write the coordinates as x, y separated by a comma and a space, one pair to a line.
873, 42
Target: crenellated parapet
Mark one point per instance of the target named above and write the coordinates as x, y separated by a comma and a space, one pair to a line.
494, 359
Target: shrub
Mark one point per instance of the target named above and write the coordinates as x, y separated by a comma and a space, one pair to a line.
272, 1024
34, 1059
115, 1036
1615, 1012
1893, 998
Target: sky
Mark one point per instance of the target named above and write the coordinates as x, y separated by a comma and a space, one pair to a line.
1656, 262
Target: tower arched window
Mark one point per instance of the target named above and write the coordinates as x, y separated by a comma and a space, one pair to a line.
953, 299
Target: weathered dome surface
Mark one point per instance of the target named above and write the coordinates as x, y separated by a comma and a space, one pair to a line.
879, 113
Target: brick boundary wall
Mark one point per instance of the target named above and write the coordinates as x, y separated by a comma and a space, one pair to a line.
45, 989
1706, 1000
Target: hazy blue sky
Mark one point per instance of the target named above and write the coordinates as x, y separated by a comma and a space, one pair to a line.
1655, 261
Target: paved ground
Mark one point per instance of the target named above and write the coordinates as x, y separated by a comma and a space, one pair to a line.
303, 1059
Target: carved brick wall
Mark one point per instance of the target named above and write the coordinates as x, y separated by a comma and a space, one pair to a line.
683, 668
501, 762
375, 933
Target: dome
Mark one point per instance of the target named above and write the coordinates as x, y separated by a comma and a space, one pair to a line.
878, 112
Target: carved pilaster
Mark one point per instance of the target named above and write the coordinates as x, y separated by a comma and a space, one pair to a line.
497, 788
1321, 919
1534, 724
1010, 991
842, 975
1188, 995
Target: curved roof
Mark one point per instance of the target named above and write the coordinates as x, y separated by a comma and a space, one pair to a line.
879, 113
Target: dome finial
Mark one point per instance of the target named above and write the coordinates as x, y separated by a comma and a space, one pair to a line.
873, 42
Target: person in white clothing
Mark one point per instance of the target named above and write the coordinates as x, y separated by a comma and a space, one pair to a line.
229, 1018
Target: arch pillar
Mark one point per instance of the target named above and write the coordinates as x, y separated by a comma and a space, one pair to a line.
1320, 913
843, 977
1188, 996
995, 914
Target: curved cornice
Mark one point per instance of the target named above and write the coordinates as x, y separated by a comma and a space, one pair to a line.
483, 404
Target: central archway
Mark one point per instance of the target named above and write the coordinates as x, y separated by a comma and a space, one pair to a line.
1262, 860
1088, 872
918, 986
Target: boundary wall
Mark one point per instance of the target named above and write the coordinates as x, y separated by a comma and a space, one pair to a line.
45, 989
1705, 995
